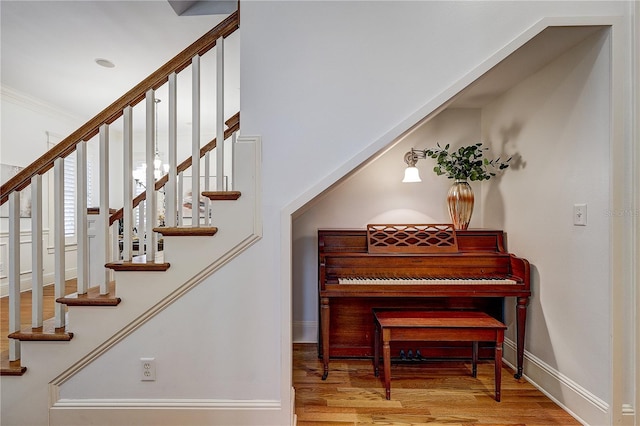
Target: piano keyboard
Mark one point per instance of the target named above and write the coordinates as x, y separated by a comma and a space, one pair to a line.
426, 281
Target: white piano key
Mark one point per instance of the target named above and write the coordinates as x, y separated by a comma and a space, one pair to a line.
426, 281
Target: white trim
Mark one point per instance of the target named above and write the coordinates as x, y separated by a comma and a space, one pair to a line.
566, 392
166, 412
29, 102
634, 110
67, 248
219, 116
621, 241
305, 331
25, 281
168, 403
628, 410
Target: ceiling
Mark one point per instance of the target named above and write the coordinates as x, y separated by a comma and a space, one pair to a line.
49, 48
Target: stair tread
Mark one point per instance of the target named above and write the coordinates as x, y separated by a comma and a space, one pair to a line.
48, 332
10, 368
186, 231
221, 195
137, 265
92, 297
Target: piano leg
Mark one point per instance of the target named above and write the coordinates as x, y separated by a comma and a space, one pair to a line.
324, 323
521, 312
376, 351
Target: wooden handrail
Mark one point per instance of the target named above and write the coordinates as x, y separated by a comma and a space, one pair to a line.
233, 124
114, 111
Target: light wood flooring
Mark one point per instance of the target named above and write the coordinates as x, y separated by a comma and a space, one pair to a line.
48, 301
422, 393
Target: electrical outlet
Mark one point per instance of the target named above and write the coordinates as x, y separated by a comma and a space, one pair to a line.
580, 214
147, 369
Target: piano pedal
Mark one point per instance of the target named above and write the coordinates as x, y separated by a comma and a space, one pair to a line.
402, 355
419, 355
410, 355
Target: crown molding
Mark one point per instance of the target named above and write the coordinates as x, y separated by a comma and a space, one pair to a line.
23, 100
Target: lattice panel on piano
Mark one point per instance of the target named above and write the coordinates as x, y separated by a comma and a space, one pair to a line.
432, 238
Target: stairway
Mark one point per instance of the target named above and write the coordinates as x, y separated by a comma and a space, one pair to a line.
87, 324
96, 323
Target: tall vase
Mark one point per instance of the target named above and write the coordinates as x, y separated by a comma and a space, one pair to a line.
460, 203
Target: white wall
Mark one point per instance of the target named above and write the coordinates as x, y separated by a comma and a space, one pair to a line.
558, 121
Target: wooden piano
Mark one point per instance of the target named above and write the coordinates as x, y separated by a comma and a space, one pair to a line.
412, 266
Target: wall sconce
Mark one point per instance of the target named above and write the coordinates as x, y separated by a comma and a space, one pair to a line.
411, 173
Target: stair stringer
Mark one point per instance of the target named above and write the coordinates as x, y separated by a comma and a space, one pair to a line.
33, 397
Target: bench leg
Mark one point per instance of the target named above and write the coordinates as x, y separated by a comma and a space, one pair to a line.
474, 360
498, 362
386, 356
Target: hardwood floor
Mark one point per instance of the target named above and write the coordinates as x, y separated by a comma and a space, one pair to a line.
48, 301
426, 393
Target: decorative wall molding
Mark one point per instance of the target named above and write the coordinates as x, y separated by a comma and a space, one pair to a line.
560, 388
25, 271
29, 102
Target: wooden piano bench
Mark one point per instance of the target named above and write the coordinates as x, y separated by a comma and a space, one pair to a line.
441, 326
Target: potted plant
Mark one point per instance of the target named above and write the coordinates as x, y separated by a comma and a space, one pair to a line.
464, 164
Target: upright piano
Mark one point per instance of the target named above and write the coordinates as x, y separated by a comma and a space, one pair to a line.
412, 266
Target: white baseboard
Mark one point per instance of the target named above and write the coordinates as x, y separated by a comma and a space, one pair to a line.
305, 331
584, 406
164, 412
25, 282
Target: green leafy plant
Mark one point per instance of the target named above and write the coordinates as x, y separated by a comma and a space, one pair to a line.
466, 163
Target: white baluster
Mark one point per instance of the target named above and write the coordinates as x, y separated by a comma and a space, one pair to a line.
14, 273
58, 240
128, 193
220, 114
142, 208
207, 201
151, 207
114, 250
37, 263
195, 143
103, 231
171, 198
180, 200
233, 160
81, 218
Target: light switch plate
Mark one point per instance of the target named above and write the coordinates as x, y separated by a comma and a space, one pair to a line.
580, 214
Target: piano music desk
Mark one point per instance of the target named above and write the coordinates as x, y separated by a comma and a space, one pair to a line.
442, 326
